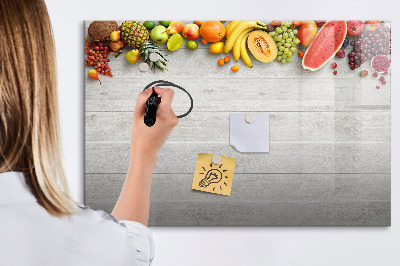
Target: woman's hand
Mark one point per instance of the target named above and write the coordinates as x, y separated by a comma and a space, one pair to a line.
134, 201
148, 140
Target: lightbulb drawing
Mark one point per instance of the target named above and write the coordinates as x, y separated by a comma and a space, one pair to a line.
213, 176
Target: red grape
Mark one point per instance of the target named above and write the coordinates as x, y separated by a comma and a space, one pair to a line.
97, 56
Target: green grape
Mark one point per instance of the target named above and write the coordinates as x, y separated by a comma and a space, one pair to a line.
283, 61
284, 56
289, 30
296, 40
280, 53
289, 40
284, 28
285, 35
278, 30
279, 58
276, 38
295, 31
272, 33
289, 54
281, 48
293, 44
287, 23
288, 60
278, 44
285, 51
293, 49
291, 35
287, 45
279, 37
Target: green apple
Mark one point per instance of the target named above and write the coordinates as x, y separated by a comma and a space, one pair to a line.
133, 56
159, 34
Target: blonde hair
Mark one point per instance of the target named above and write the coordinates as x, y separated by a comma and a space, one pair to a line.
29, 122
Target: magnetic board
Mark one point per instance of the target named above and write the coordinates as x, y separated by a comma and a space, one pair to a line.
329, 159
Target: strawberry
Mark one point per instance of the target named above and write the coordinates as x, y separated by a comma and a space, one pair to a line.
333, 65
334, 72
363, 73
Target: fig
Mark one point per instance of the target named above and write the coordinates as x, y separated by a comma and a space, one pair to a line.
276, 23
320, 23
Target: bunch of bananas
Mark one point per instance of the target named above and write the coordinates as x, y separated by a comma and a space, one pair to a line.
236, 35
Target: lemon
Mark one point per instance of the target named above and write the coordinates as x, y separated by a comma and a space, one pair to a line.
216, 47
175, 42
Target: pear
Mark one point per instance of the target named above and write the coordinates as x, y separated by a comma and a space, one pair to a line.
133, 56
175, 27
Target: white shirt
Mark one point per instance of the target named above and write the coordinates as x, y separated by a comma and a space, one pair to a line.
29, 235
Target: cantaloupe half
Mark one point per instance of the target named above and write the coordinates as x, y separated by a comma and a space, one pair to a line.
262, 46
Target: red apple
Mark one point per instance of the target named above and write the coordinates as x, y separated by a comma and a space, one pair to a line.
191, 31
117, 46
354, 27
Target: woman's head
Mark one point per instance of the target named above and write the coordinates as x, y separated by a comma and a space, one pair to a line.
29, 125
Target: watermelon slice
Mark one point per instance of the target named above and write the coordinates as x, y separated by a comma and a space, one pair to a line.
326, 44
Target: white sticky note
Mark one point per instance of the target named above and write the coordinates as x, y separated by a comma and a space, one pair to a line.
249, 137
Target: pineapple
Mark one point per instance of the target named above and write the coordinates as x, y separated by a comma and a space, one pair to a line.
149, 48
134, 33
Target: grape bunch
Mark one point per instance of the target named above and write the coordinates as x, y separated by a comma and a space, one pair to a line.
97, 57
369, 44
286, 40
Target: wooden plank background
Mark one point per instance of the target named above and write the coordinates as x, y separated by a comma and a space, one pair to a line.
330, 142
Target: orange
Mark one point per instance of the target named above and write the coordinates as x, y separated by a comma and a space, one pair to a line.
198, 22
212, 31
221, 62
235, 68
217, 47
204, 41
227, 59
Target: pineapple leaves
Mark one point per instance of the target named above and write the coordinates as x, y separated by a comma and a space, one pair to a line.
147, 49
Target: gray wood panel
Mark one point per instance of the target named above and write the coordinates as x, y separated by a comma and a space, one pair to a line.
259, 199
306, 157
330, 142
367, 126
225, 94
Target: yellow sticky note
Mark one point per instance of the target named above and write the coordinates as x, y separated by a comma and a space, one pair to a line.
214, 178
